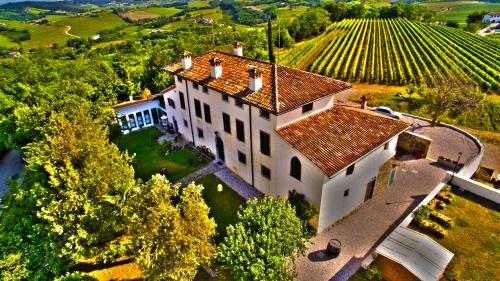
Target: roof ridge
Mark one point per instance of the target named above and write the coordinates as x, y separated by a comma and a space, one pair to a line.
240, 57
276, 102
315, 74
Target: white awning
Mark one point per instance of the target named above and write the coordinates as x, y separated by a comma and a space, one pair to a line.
418, 253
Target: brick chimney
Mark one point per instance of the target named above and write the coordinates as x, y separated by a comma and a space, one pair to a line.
238, 49
215, 67
186, 60
255, 79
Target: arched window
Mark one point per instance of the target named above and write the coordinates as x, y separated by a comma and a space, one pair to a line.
295, 168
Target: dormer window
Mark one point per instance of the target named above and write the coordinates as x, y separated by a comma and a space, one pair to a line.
308, 107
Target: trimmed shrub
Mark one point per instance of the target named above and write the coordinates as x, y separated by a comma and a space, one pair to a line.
441, 219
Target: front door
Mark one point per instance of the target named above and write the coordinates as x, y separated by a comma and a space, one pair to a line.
219, 145
369, 189
176, 127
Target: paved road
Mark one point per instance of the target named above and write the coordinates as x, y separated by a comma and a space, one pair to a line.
10, 166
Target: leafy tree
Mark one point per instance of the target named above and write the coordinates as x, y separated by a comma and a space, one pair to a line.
338, 11
475, 17
58, 211
13, 268
171, 232
263, 243
450, 97
310, 23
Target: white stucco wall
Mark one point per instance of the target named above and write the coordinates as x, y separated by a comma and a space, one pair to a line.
295, 114
334, 205
311, 181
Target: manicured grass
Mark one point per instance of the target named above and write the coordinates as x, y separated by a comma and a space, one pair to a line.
86, 26
149, 158
474, 238
223, 205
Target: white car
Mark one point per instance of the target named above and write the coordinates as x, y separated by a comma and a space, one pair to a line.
387, 111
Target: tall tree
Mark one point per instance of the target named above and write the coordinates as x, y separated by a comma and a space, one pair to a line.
171, 232
270, 43
263, 243
450, 97
58, 211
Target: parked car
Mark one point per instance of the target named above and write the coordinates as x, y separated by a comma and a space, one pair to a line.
387, 111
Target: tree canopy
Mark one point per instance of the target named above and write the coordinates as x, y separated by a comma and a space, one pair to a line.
263, 243
171, 232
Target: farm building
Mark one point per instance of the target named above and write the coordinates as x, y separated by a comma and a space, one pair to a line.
410, 255
278, 129
492, 17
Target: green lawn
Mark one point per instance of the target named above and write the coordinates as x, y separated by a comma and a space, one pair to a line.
474, 239
223, 205
6, 42
149, 159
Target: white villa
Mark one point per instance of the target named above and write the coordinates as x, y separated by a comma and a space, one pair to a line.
492, 17
278, 129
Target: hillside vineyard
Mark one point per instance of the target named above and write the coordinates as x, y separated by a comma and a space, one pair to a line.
398, 51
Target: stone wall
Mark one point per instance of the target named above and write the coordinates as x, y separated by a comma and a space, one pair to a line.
414, 144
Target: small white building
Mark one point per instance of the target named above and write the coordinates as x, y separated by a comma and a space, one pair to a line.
136, 114
278, 129
492, 17
409, 255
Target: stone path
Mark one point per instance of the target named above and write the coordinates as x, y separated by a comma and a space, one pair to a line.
360, 232
238, 184
207, 170
11, 165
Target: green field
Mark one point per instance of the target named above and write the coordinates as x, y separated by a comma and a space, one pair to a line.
198, 4
398, 51
5, 42
36, 11
86, 26
162, 11
289, 12
459, 10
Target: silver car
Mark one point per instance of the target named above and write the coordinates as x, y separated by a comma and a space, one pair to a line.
387, 111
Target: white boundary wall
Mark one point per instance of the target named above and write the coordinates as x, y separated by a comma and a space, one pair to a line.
475, 187
471, 166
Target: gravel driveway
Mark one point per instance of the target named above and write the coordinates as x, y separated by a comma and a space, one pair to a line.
445, 141
361, 231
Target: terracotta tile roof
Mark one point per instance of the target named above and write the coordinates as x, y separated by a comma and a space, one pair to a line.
339, 136
283, 89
